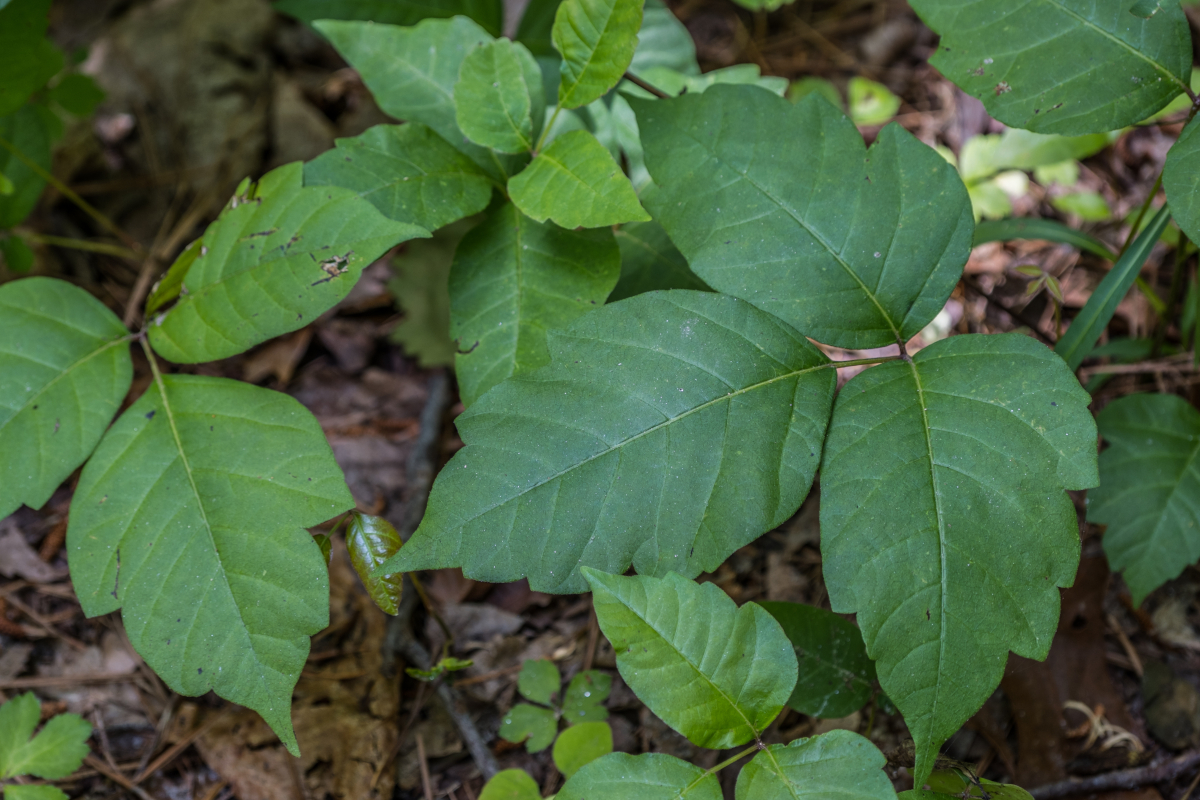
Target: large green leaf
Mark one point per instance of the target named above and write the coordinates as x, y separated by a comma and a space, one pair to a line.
515, 280
408, 172
32, 130
1181, 180
412, 72
190, 517
29, 58
596, 39
856, 248
650, 776
663, 41
56, 751
64, 370
576, 183
498, 98
649, 261
838, 763
716, 673
1061, 66
833, 660
944, 521
1149, 494
279, 255
488, 13
669, 430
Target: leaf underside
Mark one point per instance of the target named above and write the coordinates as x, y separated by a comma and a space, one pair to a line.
650, 776
831, 765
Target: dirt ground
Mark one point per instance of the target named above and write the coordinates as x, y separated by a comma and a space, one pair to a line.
204, 92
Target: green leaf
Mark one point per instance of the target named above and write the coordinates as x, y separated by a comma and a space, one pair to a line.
421, 288
190, 517
29, 59
34, 792
952, 783
32, 130
871, 103
856, 248
834, 764
18, 718
649, 261
488, 13
64, 370
650, 776
169, 287
669, 430
675, 83
498, 97
408, 172
511, 784
1149, 494
540, 681
1092, 320
833, 660
56, 751
1019, 149
1030, 63
515, 280
1181, 180
596, 39
1088, 206
585, 697
581, 745
762, 5
17, 255
663, 41
278, 256
371, 541
576, 183
78, 94
716, 673
326, 545
802, 88
524, 721
943, 504
1005, 230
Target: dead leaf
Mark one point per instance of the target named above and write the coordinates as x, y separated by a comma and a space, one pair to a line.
22, 561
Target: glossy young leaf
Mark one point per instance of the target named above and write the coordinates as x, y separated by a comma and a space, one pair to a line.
511, 784
856, 248
540, 681
1181, 181
833, 660
1149, 494
534, 725
663, 41
942, 504
64, 370
576, 183
716, 673
830, 765
596, 39
488, 13
29, 58
650, 261
190, 517
371, 541
650, 776
670, 429
408, 172
56, 751
581, 745
1061, 66
515, 280
279, 255
498, 98
31, 130
585, 697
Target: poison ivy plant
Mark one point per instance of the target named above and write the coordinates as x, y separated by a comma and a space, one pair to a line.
536, 723
839, 762
55, 752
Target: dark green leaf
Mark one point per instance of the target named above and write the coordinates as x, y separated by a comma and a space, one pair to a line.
716, 673
190, 517
585, 697
371, 541
540, 681
831, 765
650, 776
942, 504
29, 59
326, 545
64, 370
515, 280
596, 39
498, 97
1005, 230
408, 172
488, 13
511, 784
669, 430
32, 130
536, 25
856, 248
1181, 180
78, 94
581, 745
524, 721
649, 261
278, 256
17, 255
663, 41
1032, 64
833, 660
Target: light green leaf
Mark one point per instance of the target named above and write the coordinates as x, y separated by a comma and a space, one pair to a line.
596, 39
34, 792
78, 94
585, 697
278, 256
670, 429
762, 5
64, 370
29, 58
674, 83
649, 261
856, 248
57, 750
18, 718
1032, 63
408, 172
942, 504
832, 657
716, 673
576, 183
32, 130
525, 721
1149, 494
650, 776
581, 745
1181, 180
831, 765
871, 103
802, 88
498, 98
1088, 206
1064, 173
371, 541
515, 280
190, 517
18, 257
1019, 149
488, 13
663, 41
511, 784
540, 681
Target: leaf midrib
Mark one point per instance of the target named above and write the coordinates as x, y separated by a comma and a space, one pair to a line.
591, 56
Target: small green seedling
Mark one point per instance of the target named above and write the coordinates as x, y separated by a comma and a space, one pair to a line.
57, 750
536, 723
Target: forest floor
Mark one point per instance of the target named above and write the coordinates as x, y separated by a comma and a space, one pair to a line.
203, 92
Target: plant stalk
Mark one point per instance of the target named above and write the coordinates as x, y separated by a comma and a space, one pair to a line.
81, 244
862, 362
537, 148
641, 84
731, 760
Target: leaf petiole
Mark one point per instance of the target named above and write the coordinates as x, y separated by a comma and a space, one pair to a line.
731, 760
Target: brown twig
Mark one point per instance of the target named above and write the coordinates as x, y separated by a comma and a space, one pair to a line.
1158, 772
173, 752
589, 655
116, 777
53, 541
66, 680
641, 84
